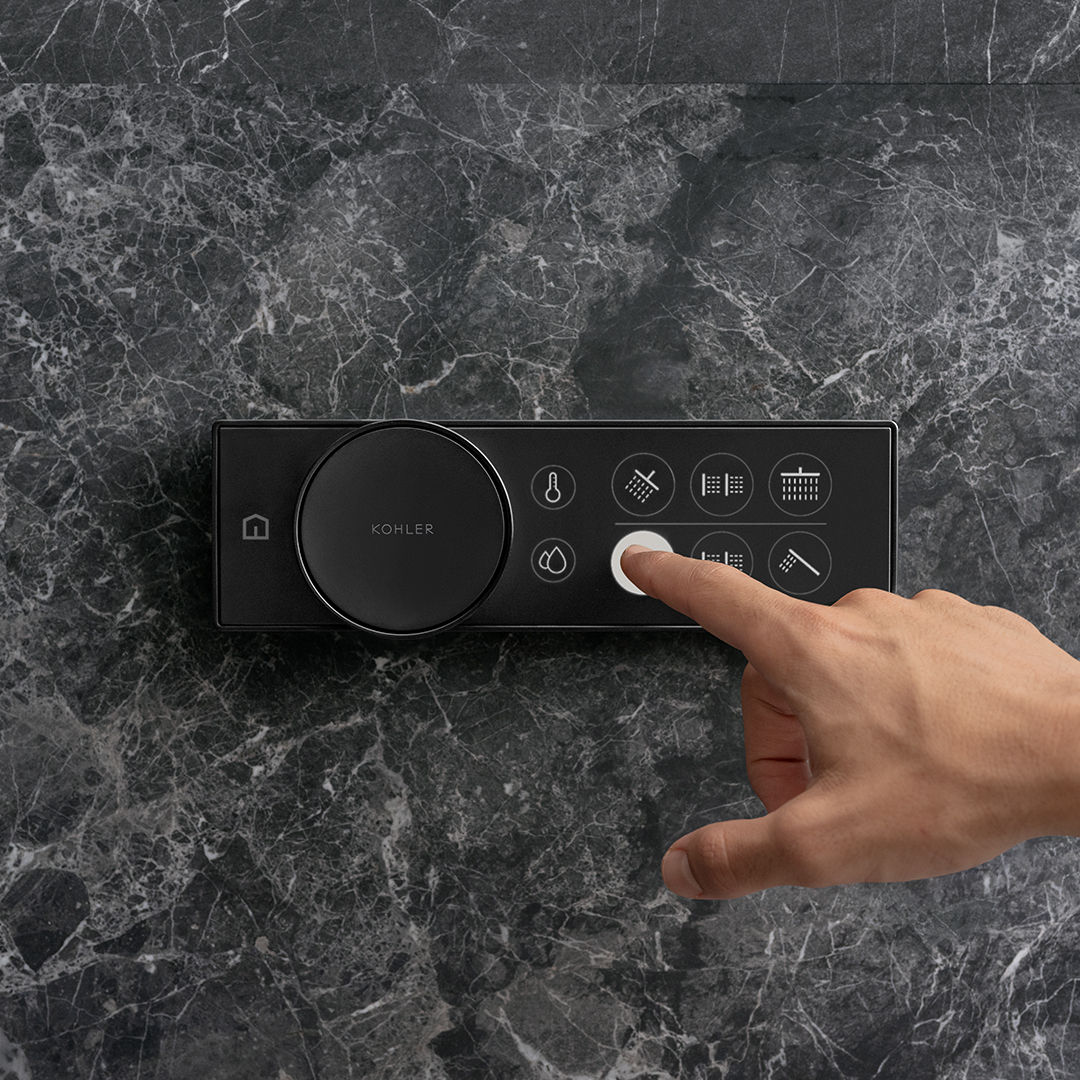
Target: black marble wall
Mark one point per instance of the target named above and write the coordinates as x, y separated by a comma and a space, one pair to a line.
287, 856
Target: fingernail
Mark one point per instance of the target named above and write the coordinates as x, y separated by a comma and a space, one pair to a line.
633, 549
677, 876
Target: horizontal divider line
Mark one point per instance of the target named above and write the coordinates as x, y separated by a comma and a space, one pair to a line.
647, 522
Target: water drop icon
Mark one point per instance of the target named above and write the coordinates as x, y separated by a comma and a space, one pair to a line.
552, 561
553, 494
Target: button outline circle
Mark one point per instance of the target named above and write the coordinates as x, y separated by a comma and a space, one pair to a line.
671, 494
573, 560
547, 505
777, 543
644, 536
741, 506
727, 532
817, 509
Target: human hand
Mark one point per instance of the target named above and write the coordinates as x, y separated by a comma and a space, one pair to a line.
888, 738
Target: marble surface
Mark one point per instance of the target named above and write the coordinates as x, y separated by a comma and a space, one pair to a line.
289, 856
329, 43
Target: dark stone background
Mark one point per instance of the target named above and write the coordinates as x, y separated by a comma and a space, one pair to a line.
275, 856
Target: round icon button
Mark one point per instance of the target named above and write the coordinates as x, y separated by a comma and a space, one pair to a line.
553, 487
800, 563
800, 484
722, 484
727, 548
643, 484
643, 536
553, 560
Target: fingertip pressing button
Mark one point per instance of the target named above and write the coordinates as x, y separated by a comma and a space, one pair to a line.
643, 537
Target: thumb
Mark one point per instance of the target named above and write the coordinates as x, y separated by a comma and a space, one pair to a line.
728, 859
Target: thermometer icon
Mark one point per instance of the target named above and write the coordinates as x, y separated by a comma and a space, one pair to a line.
553, 487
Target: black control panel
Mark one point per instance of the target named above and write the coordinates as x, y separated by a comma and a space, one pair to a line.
405, 528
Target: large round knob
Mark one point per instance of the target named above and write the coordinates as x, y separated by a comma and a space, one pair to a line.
403, 528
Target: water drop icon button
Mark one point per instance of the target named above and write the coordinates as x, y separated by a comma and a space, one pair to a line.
553, 560
553, 487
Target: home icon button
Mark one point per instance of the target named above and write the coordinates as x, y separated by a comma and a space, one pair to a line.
255, 527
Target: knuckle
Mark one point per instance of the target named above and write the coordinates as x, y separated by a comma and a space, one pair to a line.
700, 580
1005, 616
818, 623
700, 574
817, 620
712, 867
856, 596
796, 844
937, 596
866, 597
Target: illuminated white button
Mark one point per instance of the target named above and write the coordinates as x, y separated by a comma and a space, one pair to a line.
648, 539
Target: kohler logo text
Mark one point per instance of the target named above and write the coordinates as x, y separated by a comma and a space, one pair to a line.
402, 528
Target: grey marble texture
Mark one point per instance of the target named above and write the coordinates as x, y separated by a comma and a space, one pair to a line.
330, 43
322, 856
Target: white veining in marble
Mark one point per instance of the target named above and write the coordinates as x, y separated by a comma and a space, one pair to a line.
321, 856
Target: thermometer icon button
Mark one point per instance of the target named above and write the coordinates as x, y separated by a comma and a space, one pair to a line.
553, 487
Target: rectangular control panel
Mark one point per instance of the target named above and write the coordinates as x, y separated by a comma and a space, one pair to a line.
807, 507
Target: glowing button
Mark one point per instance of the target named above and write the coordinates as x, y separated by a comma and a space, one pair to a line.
643, 536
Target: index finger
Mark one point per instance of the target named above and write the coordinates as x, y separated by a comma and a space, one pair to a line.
763, 623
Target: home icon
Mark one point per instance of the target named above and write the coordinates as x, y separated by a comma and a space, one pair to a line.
256, 527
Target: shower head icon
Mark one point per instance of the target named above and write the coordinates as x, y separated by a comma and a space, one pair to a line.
788, 561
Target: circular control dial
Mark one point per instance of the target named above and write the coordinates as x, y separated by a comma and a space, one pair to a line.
403, 528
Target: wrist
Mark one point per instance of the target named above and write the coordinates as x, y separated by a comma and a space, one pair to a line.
1061, 805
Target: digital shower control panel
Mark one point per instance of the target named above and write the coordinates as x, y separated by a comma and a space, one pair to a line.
404, 528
